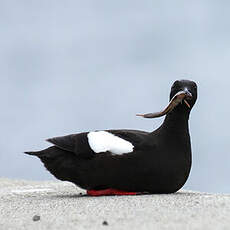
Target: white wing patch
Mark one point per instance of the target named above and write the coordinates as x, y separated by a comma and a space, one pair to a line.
102, 141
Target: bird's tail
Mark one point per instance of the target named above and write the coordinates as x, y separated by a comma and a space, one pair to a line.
62, 164
36, 153
50, 152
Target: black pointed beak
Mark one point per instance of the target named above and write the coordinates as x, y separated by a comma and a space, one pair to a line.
187, 93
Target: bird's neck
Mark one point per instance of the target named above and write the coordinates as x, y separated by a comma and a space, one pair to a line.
176, 122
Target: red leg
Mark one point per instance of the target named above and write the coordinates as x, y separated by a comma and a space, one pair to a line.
110, 191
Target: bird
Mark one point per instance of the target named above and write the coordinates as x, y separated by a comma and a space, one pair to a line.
125, 161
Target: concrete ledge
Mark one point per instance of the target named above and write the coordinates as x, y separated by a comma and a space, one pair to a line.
61, 205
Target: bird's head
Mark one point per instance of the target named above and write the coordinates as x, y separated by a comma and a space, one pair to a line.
183, 96
187, 91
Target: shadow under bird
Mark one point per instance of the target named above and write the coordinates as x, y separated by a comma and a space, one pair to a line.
129, 162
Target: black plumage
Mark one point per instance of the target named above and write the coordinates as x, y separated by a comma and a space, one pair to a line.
159, 163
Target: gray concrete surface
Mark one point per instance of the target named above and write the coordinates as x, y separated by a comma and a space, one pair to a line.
61, 205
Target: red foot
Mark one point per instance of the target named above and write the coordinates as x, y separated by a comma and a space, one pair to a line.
109, 191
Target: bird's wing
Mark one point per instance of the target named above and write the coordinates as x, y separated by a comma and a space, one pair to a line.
88, 144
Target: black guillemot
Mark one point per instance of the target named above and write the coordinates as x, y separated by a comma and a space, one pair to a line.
129, 162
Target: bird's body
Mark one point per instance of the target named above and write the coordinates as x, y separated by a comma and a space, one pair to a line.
127, 160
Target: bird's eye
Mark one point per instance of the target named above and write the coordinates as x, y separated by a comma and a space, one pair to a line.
175, 84
195, 86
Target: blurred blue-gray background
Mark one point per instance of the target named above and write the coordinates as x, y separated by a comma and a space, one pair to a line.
72, 66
